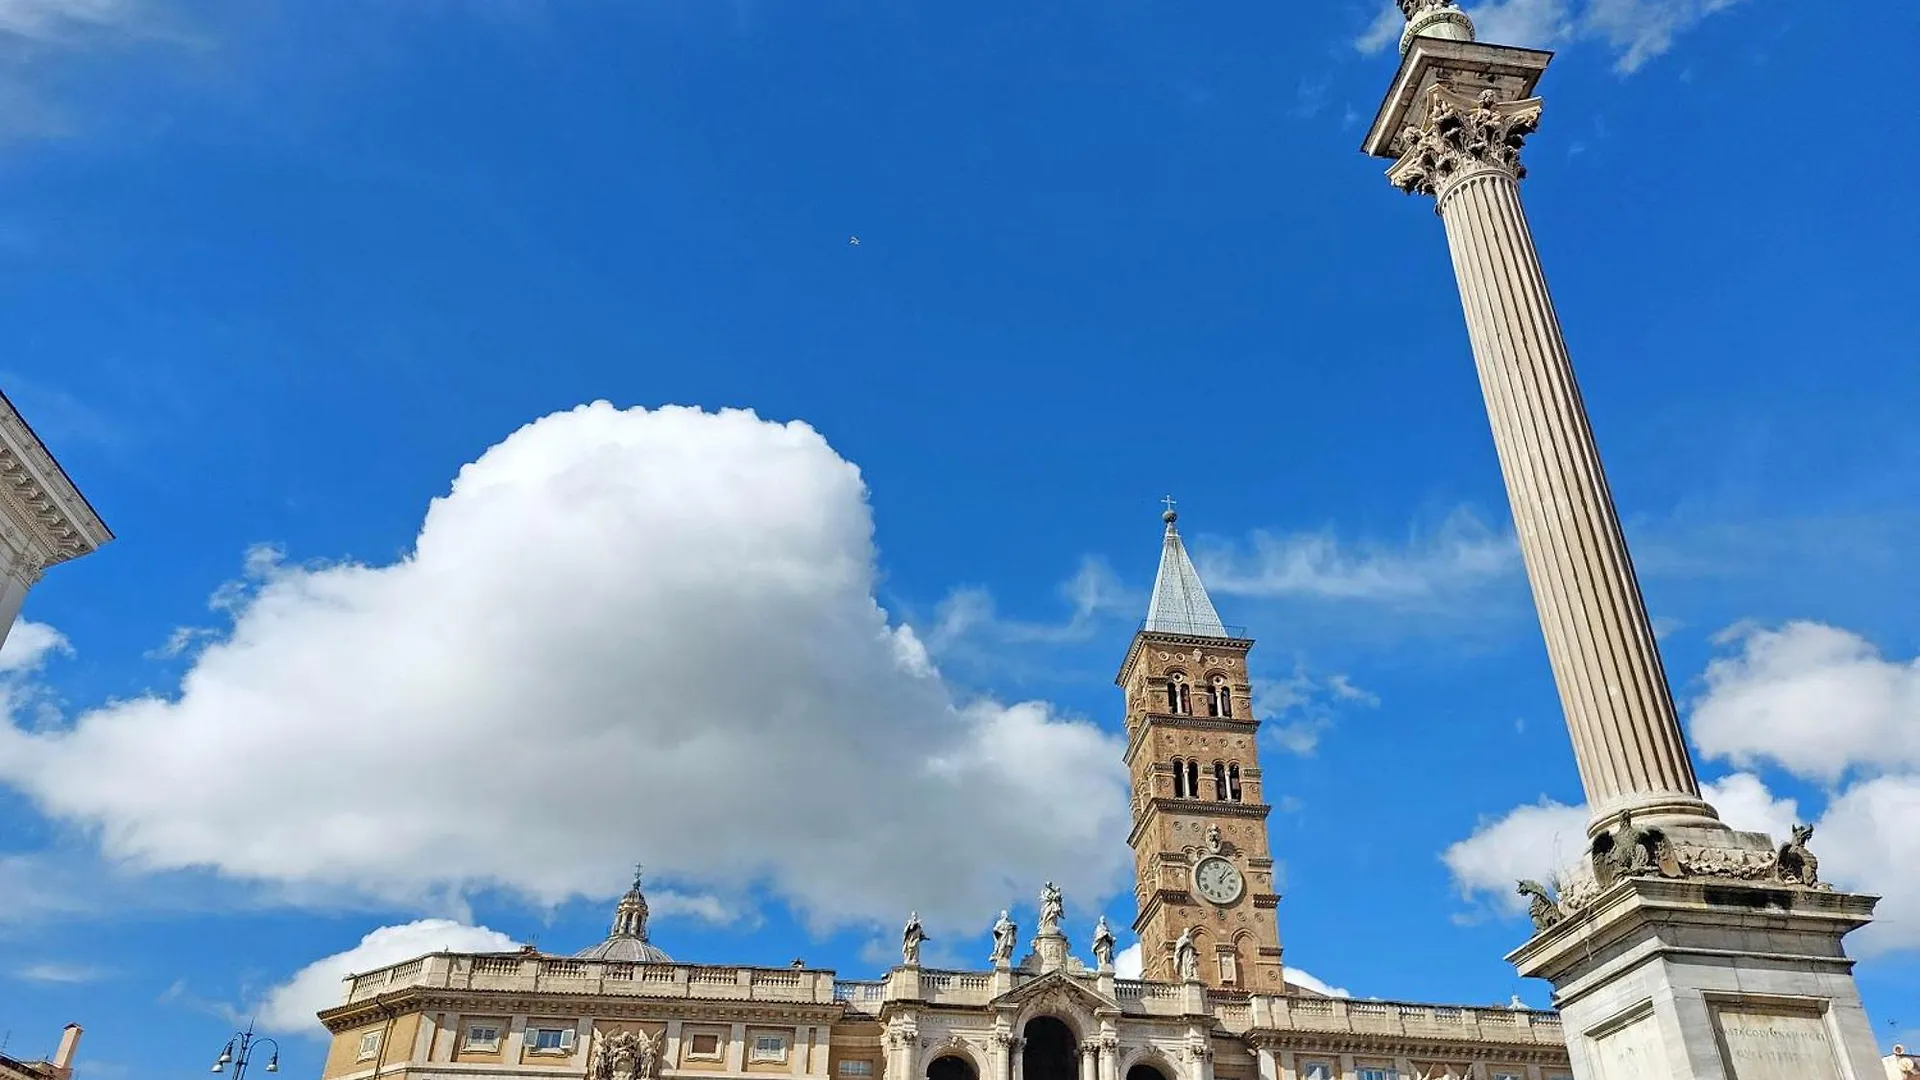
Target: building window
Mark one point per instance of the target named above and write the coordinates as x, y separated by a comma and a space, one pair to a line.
1193, 779
1508, 1076
1220, 780
369, 1045
1379, 1072
1220, 697
1233, 783
550, 1040
1179, 695
769, 1048
1180, 790
482, 1037
1317, 1070
856, 1068
703, 1046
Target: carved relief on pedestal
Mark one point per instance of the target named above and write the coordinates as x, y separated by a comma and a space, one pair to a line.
1462, 136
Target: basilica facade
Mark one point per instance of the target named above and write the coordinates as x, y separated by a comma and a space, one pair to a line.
1213, 1002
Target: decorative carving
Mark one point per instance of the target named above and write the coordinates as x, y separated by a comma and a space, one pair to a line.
910, 939
1630, 851
1103, 945
1186, 958
1461, 136
1052, 910
1213, 838
1004, 933
1794, 864
1541, 908
625, 1055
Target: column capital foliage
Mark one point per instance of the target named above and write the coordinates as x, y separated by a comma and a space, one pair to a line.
1462, 136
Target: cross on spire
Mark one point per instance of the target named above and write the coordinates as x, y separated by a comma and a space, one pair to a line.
1168, 501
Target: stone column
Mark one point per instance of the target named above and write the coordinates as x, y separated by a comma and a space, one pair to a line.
1016, 1054
1464, 150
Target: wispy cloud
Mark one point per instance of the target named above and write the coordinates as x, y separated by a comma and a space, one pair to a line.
54, 971
1461, 554
1094, 592
1635, 30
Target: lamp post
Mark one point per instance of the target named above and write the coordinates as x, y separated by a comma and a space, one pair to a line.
239, 1053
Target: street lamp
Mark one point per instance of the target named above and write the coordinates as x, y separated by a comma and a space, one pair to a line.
239, 1053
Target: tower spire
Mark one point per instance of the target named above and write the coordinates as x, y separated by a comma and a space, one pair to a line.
1180, 604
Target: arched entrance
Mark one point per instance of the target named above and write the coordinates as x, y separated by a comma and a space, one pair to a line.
951, 1067
1051, 1052
1144, 1071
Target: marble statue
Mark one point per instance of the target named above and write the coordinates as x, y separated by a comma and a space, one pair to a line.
1795, 864
1541, 907
1103, 944
1004, 933
1052, 909
910, 940
1186, 958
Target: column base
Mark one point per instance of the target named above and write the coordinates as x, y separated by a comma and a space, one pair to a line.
1708, 979
1663, 810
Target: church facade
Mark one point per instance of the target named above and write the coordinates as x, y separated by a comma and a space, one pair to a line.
1212, 1002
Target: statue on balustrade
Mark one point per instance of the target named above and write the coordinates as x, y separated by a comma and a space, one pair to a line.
1052, 910
910, 940
1004, 933
1103, 945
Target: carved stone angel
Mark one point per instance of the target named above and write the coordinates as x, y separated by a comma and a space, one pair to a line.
625, 1055
1004, 933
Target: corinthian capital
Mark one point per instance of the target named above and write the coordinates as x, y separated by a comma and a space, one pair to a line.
1460, 137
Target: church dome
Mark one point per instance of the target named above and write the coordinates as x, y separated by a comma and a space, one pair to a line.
627, 941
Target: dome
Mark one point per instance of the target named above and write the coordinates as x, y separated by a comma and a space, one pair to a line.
627, 949
627, 942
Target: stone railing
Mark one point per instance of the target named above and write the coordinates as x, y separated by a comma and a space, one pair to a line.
862, 996
1496, 1024
525, 974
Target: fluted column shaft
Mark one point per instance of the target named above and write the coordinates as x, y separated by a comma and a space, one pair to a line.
1613, 689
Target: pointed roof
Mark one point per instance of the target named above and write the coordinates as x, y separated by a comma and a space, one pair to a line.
1180, 604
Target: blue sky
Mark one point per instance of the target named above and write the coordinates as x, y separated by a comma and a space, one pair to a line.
273, 274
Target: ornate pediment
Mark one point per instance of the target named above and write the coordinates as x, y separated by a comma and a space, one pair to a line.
1056, 991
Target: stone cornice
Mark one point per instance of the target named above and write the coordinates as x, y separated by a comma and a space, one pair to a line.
1162, 804
45, 513
1386, 1045
1177, 722
1143, 638
603, 1006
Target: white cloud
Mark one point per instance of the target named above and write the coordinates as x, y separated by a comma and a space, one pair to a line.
1307, 981
29, 644
1540, 841
1867, 839
53, 971
1127, 963
292, 1005
1460, 555
1094, 591
622, 634
1635, 30
1294, 711
1814, 699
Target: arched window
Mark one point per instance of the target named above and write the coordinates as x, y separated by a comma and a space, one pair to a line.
1193, 779
1179, 779
1233, 783
1220, 780
1221, 696
1179, 695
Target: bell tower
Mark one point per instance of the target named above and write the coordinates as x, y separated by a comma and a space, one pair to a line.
1201, 862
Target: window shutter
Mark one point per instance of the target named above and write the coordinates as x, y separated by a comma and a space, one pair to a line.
566, 1040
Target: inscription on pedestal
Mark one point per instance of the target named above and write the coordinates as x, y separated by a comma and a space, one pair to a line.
1776, 1045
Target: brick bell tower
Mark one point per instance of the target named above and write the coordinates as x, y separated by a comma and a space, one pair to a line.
1199, 837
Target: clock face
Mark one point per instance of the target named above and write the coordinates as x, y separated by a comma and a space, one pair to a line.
1218, 880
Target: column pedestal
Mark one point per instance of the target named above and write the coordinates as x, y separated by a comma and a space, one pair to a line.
1708, 980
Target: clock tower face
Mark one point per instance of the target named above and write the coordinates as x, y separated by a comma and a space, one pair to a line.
1218, 881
